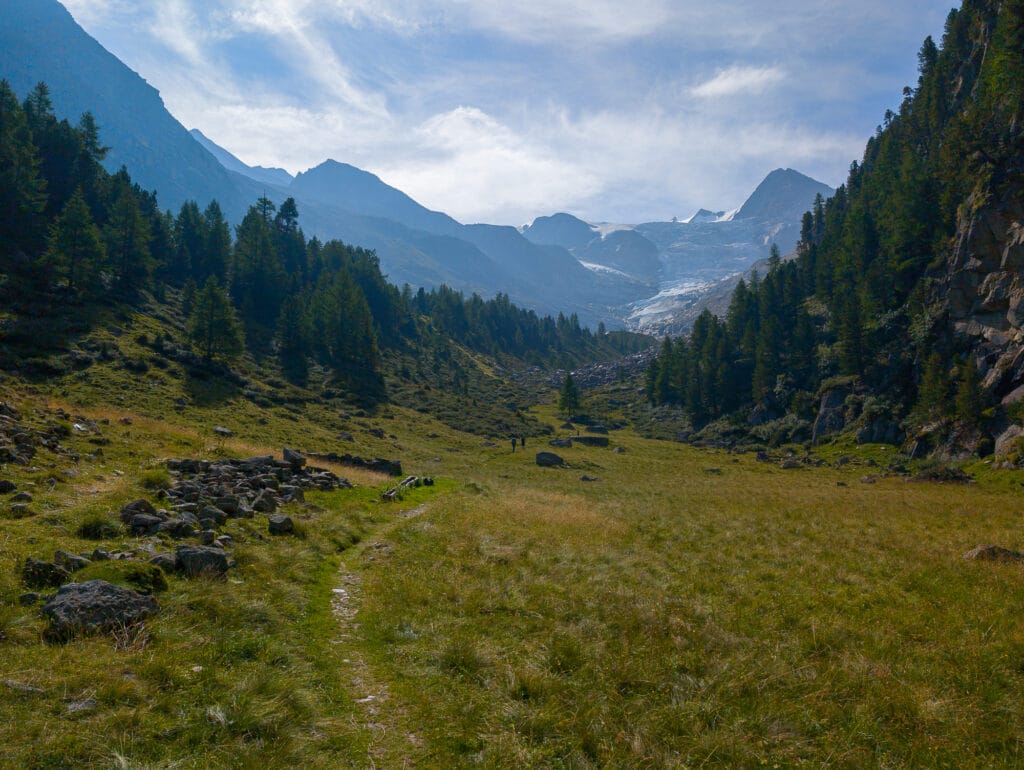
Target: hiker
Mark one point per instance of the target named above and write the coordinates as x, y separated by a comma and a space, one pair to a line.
513, 444
522, 442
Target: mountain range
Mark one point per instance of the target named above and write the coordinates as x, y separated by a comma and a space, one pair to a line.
635, 275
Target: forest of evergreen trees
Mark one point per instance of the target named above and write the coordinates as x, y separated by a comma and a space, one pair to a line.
858, 300
71, 234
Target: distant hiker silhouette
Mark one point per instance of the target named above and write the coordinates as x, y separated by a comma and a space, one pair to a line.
513, 444
522, 441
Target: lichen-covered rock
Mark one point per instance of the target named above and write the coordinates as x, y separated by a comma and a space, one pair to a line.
43, 574
95, 606
199, 560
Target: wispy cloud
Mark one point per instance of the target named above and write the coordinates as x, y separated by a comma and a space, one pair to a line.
501, 112
739, 81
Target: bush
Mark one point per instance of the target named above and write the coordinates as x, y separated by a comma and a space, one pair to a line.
156, 478
99, 526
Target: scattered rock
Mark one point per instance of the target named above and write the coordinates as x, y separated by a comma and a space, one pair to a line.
598, 441
28, 689
279, 524
199, 560
168, 562
7, 486
136, 507
619, 450
870, 479
713, 471
993, 553
587, 478
95, 606
294, 459
376, 432
69, 561
223, 432
20, 511
549, 460
22, 497
561, 443
789, 464
86, 704
28, 599
43, 574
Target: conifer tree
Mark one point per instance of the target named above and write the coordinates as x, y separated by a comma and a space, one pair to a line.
22, 186
76, 251
213, 324
569, 396
127, 237
969, 400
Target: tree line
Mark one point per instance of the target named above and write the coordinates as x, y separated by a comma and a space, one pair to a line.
75, 234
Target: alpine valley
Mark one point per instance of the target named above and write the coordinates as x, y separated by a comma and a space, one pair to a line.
296, 472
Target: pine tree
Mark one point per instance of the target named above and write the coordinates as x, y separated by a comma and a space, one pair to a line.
569, 396
127, 236
22, 186
293, 346
76, 251
933, 392
969, 400
213, 324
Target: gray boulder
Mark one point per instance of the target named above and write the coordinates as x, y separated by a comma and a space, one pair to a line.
601, 441
199, 560
561, 443
294, 459
549, 460
136, 507
279, 524
168, 562
43, 574
70, 561
95, 606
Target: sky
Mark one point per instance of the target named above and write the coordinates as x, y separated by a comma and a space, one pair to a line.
497, 111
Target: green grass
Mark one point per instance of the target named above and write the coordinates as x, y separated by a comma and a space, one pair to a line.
513, 616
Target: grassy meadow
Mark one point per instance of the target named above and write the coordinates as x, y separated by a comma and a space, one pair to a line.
690, 608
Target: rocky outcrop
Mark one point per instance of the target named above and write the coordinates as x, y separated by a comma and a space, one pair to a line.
549, 460
984, 288
831, 414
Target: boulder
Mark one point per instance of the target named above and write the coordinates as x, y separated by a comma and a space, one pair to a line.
199, 560
95, 606
177, 528
561, 443
587, 478
7, 486
599, 441
619, 450
136, 507
223, 432
993, 553
279, 524
831, 414
881, 431
69, 561
295, 460
144, 524
168, 562
214, 514
549, 460
43, 574
22, 497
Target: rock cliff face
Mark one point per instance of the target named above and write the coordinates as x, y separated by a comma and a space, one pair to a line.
984, 294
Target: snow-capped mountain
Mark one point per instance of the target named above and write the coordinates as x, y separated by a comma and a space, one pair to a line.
682, 259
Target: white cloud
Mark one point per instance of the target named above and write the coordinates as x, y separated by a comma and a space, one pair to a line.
738, 80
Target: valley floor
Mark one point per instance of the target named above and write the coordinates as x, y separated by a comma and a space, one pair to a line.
687, 609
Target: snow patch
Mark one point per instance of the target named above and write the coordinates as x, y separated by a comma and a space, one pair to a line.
604, 229
596, 268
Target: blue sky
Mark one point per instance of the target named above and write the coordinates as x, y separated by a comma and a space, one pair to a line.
501, 112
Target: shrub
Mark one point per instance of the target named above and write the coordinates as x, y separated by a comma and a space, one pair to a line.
100, 526
156, 478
